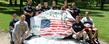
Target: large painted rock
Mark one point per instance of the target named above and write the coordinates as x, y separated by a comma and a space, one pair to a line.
52, 24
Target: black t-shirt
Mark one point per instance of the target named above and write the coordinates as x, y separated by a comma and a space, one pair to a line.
54, 7
78, 26
75, 12
28, 9
13, 22
28, 19
45, 9
39, 10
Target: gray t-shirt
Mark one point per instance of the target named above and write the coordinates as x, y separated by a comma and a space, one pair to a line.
20, 29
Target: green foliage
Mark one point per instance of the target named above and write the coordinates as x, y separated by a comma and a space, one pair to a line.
86, 3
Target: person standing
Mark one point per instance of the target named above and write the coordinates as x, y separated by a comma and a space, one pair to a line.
11, 26
54, 7
87, 18
65, 6
74, 11
28, 11
21, 30
45, 7
39, 8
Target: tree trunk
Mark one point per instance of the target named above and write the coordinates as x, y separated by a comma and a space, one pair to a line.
97, 3
21, 4
15, 2
102, 5
10, 2
41, 1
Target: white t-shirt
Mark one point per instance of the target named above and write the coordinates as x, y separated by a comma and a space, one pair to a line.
85, 19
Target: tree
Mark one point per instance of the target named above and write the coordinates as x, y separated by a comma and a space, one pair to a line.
102, 4
15, 2
97, 3
10, 2
21, 4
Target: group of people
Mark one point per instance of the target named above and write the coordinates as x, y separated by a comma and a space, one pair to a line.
82, 26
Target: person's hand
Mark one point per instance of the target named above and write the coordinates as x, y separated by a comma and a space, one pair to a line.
25, 35
10, 27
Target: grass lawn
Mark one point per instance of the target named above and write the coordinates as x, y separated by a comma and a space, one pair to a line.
4, 21
5, 14
101, 19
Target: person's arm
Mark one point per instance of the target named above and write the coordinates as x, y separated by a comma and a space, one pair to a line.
31, 14
27, 31
69, 26
69, 17
73, 31
82, 27
25, 12
10, 26
65, 3
93, 26
83, 20
24, 9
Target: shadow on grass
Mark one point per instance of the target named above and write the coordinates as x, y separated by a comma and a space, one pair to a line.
11, 12
4, 4
1, 9
5, 10
8, 5
106, 8
96, 14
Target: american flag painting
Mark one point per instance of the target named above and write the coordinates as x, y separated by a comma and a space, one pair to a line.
54, 27
52, 24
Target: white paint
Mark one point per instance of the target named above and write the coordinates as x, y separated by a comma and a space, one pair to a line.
42, 40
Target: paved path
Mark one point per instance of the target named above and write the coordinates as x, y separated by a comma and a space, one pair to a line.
4, 38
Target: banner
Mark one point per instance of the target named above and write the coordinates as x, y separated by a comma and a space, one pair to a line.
52, 23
